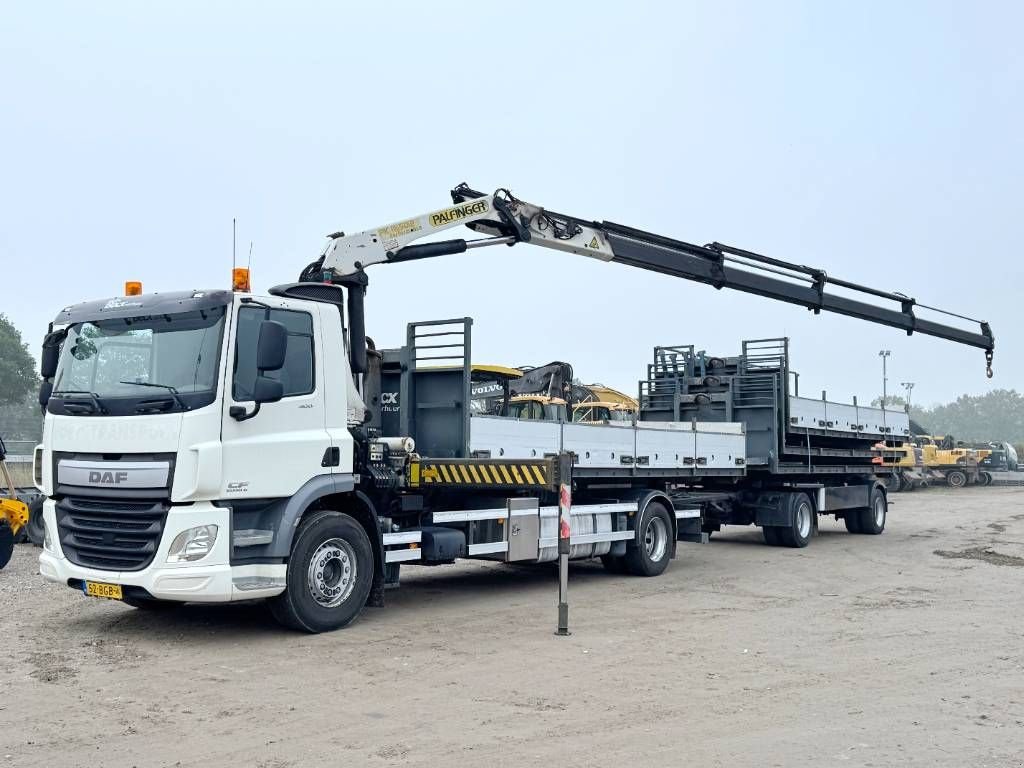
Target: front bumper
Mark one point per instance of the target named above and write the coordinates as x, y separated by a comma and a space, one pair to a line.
210, 580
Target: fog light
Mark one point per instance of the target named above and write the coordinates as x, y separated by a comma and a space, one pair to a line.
193, 544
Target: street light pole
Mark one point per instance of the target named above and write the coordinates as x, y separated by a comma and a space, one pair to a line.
909, 387
884, 354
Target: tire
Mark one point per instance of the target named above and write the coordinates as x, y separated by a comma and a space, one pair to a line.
330, 573
771, 535
35, 531
895, 482
798, 533
872, 519
6, 543
650, 553
852, 520
985, 478
614, 564
956, 479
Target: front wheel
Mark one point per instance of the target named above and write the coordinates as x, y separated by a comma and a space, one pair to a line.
649, 554
985, 478
330, 573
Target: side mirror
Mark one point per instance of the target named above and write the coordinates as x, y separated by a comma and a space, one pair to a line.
271, 347
267, 390
45, 390
264, 390
48, 361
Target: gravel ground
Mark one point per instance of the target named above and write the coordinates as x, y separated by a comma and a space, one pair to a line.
901, 649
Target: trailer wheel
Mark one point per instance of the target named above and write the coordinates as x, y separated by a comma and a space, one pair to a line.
956, 479
798, 533
771, 535
895, 482
872, 519
330, 572
649, 554
852, 520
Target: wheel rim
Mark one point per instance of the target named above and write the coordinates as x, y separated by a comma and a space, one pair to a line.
656, 539
956, 479
879, 512
803, 520
331, 576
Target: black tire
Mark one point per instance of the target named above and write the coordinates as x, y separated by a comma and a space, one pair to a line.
614, 564
852, 520
6, 543
985, 478
798, 533
342, 550
956, 479
872, 520
151, 604
895, 482
649, 553
35, 530
771, 535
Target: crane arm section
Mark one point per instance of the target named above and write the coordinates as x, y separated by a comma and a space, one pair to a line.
505, 220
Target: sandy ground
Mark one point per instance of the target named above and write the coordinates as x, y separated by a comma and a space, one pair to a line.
901, 649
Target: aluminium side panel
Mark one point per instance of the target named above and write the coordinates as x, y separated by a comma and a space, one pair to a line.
805, 413
600, 445
665, 445
504, 438
842, 418
720, 450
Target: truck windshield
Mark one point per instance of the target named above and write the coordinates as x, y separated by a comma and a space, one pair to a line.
136, 365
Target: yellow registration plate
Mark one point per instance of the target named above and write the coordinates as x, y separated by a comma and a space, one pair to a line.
98, 589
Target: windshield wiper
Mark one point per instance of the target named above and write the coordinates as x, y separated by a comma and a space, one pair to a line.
96, 402
174, 392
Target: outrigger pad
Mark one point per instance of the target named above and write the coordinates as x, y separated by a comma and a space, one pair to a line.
6, 543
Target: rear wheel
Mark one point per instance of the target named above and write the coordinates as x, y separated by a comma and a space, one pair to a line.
771, 535
649, 554
798, 532
956, 479
6, 543
872, 519
852, 520
330, 573
985, 478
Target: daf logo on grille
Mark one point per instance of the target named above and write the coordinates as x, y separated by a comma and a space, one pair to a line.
107, 478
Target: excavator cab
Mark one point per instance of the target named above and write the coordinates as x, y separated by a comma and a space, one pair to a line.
13, 511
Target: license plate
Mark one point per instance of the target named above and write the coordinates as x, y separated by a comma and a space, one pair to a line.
99, 589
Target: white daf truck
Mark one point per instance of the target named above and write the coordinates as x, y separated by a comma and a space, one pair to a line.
213, 445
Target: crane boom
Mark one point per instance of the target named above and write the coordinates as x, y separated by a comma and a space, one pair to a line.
506, 220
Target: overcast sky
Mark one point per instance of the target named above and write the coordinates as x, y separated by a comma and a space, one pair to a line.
879, 141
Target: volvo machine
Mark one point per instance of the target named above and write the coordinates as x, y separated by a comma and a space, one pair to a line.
214, 445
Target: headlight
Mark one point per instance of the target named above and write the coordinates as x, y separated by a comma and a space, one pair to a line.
193, 544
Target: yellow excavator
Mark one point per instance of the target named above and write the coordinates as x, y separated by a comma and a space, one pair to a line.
13, 511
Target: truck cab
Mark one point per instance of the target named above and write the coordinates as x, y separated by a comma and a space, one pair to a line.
193, 411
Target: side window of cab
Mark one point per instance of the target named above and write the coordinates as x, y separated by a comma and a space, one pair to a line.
297, 376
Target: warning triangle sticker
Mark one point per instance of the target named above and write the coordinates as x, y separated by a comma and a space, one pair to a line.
594, 243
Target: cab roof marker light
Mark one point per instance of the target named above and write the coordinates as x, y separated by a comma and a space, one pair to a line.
240, 280
132, 288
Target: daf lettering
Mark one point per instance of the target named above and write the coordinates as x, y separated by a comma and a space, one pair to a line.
107, 478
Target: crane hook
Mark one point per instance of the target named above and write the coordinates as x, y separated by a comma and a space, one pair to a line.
988, 363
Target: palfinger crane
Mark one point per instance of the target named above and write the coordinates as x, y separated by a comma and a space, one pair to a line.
507, 220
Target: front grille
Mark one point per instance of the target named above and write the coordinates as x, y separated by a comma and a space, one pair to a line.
110, 534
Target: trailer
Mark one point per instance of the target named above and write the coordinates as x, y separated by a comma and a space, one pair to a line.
214, 446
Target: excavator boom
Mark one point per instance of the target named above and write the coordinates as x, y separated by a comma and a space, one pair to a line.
506, 220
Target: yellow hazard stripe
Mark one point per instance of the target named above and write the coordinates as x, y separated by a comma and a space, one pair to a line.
485, 473
464, 471
515, 474
475, 474
540, 475
505, 474
444, 473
